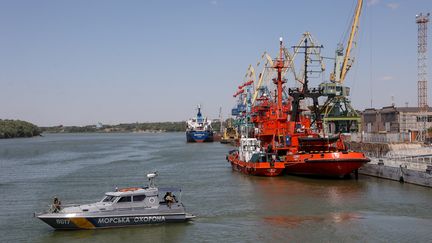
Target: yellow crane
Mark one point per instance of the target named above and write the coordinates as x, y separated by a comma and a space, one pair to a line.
268, 61
344, 62
339, 115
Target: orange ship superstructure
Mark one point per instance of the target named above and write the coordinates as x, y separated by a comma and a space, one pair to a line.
295, 138
292, 137
250, 157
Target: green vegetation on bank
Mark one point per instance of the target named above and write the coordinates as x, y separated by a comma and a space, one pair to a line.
124, 127
17, 128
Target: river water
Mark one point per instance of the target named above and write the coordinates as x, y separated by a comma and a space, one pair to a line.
231, 207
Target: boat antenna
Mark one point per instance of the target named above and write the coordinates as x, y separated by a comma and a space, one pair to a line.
151, 178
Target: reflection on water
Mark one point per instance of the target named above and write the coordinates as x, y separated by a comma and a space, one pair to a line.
293, 221
230, 206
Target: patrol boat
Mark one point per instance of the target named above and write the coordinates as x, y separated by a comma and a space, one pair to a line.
124, 207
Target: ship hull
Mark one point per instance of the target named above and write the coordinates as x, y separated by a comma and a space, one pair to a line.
199, 136
328, 165
256, 169
65, 222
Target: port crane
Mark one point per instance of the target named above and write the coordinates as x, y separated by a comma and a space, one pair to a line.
289, 65
244, 97
268, 62
255, 86
339, 115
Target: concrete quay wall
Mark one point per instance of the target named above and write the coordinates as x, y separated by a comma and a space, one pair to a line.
404, 162
399, 171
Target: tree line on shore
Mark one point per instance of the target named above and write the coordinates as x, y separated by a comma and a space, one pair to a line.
123, 127
18, 128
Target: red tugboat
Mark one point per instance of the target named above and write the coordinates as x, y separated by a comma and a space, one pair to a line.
250, 158
285, 131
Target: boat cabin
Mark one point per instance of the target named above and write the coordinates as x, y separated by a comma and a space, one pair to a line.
130, 198
249, 147
138, 197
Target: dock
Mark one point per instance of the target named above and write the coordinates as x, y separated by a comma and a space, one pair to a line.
406, 163
418, 173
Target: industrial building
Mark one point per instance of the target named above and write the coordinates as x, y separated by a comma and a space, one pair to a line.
391, 119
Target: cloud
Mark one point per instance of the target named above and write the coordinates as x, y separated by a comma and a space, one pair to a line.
392, 6
372, 2
214, 2
386, 78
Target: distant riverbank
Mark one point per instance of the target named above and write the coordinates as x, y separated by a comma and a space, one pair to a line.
18, 129
151, 127
146, 127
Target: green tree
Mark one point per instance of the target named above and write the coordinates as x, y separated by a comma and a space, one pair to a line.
18, 128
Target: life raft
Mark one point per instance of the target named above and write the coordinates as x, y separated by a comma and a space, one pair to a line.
129, 189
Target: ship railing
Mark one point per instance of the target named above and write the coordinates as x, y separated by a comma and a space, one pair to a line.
380, 138
51, 207
72, 205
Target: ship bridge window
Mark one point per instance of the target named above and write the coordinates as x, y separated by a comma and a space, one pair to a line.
109, 199
124, 199
139, 198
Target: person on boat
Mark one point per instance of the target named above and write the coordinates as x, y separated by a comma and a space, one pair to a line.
166, 195
56, 205
169, 199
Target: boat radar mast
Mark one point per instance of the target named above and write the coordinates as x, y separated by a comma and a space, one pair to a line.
151, 177
306, 92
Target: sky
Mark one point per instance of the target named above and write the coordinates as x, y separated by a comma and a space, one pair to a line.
83, 62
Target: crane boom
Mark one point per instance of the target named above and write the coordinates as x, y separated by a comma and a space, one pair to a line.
353, 34
261, 75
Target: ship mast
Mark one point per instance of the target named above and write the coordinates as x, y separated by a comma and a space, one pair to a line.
313, 94
279, 65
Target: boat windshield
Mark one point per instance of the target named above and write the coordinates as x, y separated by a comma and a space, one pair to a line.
109, 199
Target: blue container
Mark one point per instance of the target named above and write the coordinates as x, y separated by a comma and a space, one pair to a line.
241, 107
235, 112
